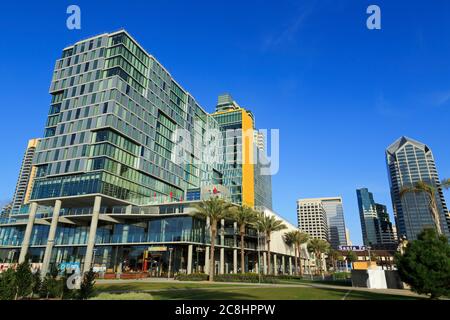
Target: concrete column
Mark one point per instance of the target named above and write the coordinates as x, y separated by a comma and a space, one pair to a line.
222, 261
290, 265
207, 260
128, 209
51, 238
264, 263
189, 261
275, 264
92, 234
27, 235
222, 232
235, 262
235, 233
283, 265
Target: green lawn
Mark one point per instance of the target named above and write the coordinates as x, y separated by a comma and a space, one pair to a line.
205, 291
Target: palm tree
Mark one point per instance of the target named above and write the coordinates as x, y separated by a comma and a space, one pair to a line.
244, 216
215, 209
430, 192
268, 224
334, 256
299, 239
289, 239
318, 247
446, 183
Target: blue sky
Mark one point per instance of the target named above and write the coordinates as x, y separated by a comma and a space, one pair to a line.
338, 92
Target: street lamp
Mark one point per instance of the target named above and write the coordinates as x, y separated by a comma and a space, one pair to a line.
170, 263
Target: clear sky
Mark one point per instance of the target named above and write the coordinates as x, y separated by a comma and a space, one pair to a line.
338, 92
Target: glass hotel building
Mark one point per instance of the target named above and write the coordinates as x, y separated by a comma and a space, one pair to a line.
108, 193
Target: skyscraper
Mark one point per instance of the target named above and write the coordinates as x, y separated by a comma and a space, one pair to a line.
242, 170
334, 214
126, 155
335, 219
26, 177
312, 218
375, 224
408, 162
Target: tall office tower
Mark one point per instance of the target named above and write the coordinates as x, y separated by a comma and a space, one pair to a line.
112, 127
312, 218
335, 219
387, 233
242, 172
376, 227
408, 162
26, 177
347, 236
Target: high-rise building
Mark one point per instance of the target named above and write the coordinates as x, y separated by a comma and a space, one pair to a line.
26, 177
124, 158
408, 162
242, 171
375, 223
347, 236
312, 218
335, 219
334, 214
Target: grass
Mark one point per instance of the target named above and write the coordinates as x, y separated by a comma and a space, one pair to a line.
145, 286
206, 291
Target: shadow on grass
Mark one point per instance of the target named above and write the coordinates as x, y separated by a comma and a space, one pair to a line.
366, 295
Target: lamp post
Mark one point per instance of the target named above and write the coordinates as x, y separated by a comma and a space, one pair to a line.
170, 263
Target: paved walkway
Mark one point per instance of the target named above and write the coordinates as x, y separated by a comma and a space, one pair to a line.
400, 292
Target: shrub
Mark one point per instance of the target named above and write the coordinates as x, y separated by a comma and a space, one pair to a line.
342, 275
192, 277
289, 277
24, 280
87, 285
36, 283
51, 287
425, 265
8, 285
246, 277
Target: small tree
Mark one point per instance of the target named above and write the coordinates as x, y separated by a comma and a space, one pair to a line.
268, 224
351, 257
425, 265
8, 287
24, 280
87, 285
319, 247
215, 209
51, 287
36, 283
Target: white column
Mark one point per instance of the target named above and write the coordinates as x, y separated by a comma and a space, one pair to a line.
222, 261
51, 238
275, 264
128, 209
283, 265
189, 262
290, 265
235, 262
264, 263
27, 235
207, 260
92, 234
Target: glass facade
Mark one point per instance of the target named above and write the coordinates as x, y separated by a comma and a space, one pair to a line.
111, 126
244, 180
408, 162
